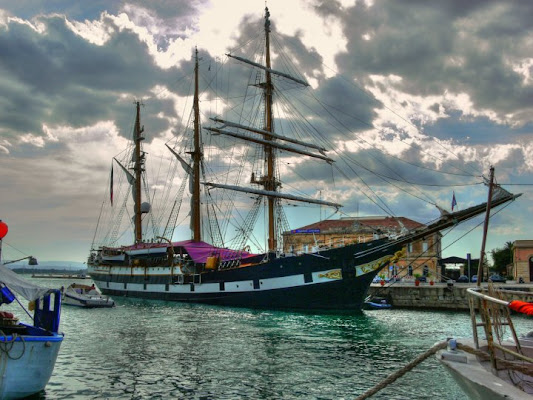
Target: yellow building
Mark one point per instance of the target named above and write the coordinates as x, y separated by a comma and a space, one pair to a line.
421, 257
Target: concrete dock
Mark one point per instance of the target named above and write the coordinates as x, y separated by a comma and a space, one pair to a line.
439, 296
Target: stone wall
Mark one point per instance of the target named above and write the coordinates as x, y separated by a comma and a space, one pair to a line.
439, 296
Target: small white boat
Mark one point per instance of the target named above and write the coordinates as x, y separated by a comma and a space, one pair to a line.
376, 303
85, 296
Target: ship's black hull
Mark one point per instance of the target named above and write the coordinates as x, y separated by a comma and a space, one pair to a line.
323, 298
334, 279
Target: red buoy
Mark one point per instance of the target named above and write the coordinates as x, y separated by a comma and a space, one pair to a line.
3, 229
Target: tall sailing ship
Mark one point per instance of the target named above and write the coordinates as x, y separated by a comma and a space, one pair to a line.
209, 271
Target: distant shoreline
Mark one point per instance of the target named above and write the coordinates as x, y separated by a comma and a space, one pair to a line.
49, 271
62, 276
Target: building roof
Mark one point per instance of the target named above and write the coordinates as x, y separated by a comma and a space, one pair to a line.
523, 243
356, 224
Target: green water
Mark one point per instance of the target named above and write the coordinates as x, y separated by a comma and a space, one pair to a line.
161, 350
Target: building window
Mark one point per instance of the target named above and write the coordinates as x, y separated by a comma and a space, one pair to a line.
410, 270
410, 248
305, 248
425, 271
424, 246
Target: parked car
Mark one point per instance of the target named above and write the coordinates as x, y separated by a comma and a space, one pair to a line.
474, 278
462, 279
497, 278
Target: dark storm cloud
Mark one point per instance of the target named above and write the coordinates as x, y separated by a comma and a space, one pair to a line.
289, 54
58, 78
367, 193
166, 20
342, 109
88, 10
353, 106
170, 10
327, 8
27, 9
476, 131
379, 169
453, 46
303, 60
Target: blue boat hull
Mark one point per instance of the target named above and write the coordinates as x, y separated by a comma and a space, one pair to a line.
370, 305
27, 364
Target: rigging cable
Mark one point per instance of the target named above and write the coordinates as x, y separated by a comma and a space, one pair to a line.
391, 110
344, 158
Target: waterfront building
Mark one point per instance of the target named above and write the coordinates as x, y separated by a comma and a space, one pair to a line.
523, 260
420, 257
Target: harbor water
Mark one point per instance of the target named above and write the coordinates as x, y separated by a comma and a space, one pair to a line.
144, 349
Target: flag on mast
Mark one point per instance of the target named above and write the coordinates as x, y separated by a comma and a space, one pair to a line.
454, 202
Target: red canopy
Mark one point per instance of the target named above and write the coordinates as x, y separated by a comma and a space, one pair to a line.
521, 307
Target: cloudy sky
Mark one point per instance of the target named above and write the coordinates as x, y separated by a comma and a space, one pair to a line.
445, 88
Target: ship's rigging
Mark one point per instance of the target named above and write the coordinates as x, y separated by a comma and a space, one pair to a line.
209, 220
243, 154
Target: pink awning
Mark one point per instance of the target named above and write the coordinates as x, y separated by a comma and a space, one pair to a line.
199, 251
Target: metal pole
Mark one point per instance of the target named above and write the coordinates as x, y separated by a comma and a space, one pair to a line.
468, 257
485, 229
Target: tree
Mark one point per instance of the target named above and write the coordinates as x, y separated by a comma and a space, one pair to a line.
502, 257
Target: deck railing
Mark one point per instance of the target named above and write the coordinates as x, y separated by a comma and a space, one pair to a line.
495, 314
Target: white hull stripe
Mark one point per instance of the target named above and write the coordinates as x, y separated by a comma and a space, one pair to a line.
152, 250
229, 287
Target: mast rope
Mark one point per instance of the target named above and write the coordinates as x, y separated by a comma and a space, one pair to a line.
289, 64
351, 82
402, 371
6, 345
345, 158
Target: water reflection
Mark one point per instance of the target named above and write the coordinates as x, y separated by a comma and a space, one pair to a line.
144, 349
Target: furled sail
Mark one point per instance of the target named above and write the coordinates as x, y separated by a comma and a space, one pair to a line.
188, 169
131, 181
272, 71
183, 163
271, 193
271, 134
131, 178
185, 166
271, 143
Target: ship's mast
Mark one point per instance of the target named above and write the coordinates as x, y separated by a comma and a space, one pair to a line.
270, 142
138, 170
196, 158
270, 181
